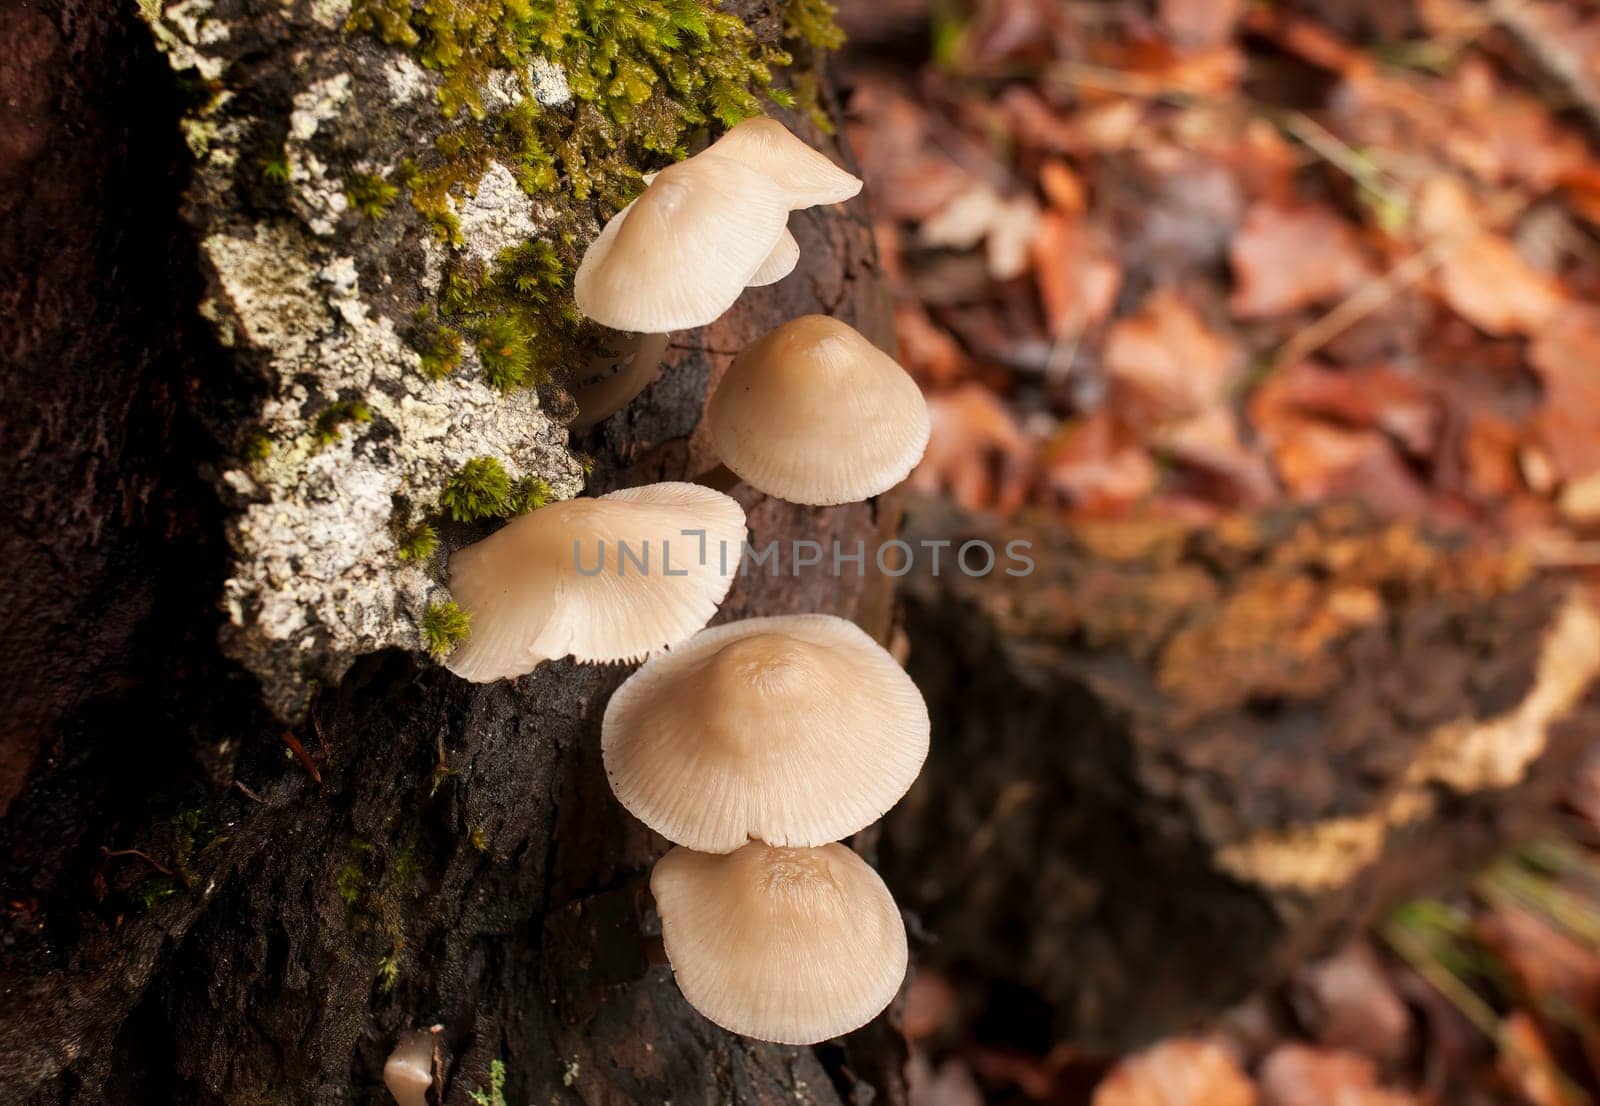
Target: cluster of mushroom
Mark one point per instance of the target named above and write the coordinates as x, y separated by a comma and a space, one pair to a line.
754, 746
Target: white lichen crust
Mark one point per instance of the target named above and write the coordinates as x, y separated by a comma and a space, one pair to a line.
311, 296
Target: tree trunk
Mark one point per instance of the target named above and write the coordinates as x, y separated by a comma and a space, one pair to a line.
1169, 766
206, 903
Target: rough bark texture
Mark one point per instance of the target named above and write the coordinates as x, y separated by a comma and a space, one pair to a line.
1168, 766
460, 861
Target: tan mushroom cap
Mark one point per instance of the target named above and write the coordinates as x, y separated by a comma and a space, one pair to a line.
779, 263
814, 413
679, 255
557, 580
806, 176
794, 730
787, 945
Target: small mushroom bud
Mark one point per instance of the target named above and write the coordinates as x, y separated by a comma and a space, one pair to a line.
608, 579
408, 1073
787, 945
679, 255
806, 176
814, 413
794, 730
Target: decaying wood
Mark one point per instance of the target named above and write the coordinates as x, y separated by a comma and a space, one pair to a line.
191, 915
1168, 766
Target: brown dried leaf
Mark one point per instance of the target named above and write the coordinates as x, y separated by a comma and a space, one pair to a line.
1545, 962
1300, 1075
1288, 257
1098, 466
1566, 355
1165, 363
1180, 1071
1200, 23
1348, 1002
1525, 1062
976, 455
1077, 275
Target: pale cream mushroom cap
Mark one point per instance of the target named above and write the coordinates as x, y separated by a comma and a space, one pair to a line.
779, 263
814, 413
408, 1072
787, 945
679, 255
555, 581
794, 730
806, 176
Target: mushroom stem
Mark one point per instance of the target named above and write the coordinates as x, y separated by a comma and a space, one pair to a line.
625, 365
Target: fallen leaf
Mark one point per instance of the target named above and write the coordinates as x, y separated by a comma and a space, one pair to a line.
1546, 964
976, 454
927, 351
1525, 1062
1348, 1002
1062, 187
1566, 357
1200, 23
1230, 473
1288, 257
1077, 275
1375, 397
1180, 1071
1097, 465
1483, 278
1300, 1075
1164, 362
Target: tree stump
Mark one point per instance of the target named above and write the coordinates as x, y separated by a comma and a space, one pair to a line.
1169, 765
210, 902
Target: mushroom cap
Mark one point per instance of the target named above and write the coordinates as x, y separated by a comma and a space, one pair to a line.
408, 1072
556, 581
679, 255
806, 176
787, 945
793, 730
779, 263
814, 413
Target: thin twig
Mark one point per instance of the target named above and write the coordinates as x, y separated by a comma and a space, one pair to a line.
302, 756
144, 856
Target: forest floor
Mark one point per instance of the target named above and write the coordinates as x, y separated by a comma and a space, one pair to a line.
1187, 257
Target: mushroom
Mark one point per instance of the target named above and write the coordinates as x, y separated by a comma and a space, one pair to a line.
679, 255
621, 368
608, 579
806, 176
408, 1073
814, 413
787, 945
779, 263
794, 730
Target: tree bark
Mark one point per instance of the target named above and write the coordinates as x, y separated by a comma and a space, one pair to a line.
203, 905
1168, 766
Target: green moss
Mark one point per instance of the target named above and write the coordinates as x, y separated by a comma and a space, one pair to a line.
349, 883
478, 490
444, 625
495, 1095
438, 343
528, 494
149, 892
257, 447
371, 194
417, 543
333, 418
275, 169
645, 76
